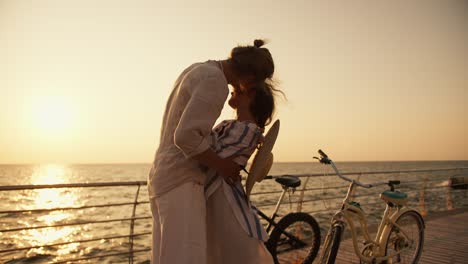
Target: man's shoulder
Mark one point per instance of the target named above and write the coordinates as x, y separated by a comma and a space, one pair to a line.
203, 70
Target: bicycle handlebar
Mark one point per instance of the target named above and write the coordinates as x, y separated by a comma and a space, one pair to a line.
322, 154
324, 159
365, 185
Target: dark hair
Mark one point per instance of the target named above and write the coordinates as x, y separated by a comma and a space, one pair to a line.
253, 60
263, 104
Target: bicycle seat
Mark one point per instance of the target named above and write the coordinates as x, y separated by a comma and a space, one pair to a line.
289, 181
397, 198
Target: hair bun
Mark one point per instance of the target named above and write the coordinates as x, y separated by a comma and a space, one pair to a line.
259, 42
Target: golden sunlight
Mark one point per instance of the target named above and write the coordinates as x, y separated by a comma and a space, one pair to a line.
52, 115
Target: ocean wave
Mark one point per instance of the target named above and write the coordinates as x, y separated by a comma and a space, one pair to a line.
39, 258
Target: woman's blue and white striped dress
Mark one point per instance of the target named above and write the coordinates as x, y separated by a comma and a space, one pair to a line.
236, 139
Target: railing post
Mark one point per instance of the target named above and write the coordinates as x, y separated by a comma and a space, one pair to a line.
132, 224
450, 184
422, 204
301, 196
449, 193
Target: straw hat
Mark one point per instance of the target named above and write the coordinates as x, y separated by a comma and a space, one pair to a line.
263, 159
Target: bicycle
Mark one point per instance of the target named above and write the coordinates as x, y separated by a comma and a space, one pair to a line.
296, 236
400, 235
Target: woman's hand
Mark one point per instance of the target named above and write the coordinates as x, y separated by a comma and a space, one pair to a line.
228, 169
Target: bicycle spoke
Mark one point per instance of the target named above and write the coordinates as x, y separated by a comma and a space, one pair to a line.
405, 241
296, 239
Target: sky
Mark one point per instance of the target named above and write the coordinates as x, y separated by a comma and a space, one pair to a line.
87, 81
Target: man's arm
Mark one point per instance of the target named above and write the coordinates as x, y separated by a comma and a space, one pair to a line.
198, 118
196, 123
226, 168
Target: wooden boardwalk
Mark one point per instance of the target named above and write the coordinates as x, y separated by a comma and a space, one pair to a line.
446, 240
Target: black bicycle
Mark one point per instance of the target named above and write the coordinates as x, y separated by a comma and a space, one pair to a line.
295, 238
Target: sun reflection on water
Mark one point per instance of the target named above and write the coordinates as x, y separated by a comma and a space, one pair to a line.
52, 198
48, 199
49, 174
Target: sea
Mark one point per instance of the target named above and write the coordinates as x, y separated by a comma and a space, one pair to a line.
320, 194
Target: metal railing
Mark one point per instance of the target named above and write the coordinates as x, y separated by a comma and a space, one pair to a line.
130, 253
131, 219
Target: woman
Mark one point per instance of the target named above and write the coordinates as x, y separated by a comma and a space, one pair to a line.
235, 234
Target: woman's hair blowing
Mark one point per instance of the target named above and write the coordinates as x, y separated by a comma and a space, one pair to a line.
253, 60
263, 103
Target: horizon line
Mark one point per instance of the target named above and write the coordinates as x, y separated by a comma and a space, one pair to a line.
149, 163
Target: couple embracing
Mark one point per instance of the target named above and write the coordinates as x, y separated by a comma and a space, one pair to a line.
200, 211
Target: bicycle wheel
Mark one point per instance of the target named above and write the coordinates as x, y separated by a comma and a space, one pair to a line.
332, 244
409, 246
296, 239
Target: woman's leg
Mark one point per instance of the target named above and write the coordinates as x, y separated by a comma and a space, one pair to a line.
227, 242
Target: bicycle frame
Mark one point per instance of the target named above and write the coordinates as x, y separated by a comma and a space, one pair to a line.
271, 220
350, 211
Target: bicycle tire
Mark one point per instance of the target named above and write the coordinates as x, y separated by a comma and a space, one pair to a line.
330, 250
395, 242
280, 244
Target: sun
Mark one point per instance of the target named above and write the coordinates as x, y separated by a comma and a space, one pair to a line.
53, 115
